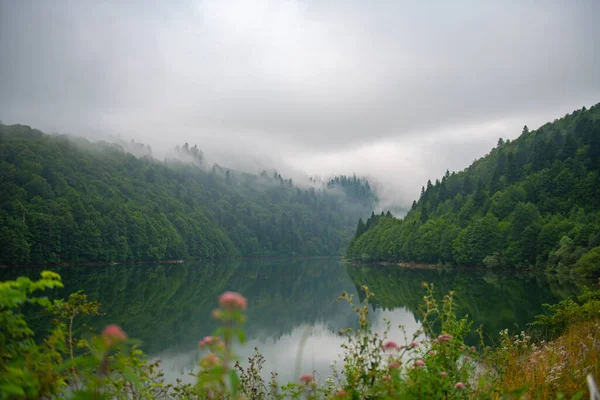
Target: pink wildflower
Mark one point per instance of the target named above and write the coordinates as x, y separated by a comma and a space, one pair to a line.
211, 340
393, 365
462, 348
232, 300
419, 363
413, 344
113, 334
443, 374
432, 352
459, 385
445, 338
210, 360
467, 359
306, 378
473, 349
340, 393
390, 344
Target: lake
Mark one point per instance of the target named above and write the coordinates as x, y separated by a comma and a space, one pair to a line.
168, 306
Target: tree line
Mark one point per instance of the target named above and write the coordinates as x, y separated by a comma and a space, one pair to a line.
531, 203
66, 200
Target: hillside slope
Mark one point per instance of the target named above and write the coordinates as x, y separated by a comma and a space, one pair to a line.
64, 199
531, 203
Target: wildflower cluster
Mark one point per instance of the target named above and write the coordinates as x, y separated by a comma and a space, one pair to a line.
427, 365
216, 375
432, 363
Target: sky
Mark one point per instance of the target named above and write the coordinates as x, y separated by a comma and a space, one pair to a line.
395, 91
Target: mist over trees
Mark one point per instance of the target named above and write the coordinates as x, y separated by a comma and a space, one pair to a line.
66, 200
530, 203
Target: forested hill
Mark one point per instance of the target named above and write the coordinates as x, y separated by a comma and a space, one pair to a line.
531, 203
66, 200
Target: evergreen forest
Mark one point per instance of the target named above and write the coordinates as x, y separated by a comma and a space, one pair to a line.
531, 203
64, 199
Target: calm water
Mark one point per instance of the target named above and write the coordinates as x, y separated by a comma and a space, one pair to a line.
168, 306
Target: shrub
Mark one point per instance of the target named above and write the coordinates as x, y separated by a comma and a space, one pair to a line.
586, 307
432, 363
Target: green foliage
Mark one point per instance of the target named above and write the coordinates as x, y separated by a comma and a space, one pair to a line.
586, 307
27, 370
589, 263
421, 367
532, 203
433, 363
66, 200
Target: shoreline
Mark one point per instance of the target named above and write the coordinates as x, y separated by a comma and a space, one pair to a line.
414, 265
580, 281
176, 261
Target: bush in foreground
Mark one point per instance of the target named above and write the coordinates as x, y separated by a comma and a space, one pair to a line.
433, 363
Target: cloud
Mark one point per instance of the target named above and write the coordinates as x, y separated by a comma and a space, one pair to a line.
396, 90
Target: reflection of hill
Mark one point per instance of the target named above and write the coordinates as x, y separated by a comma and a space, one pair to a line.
496, 300
168, 306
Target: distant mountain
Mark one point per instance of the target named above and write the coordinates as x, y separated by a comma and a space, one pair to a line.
531, 203
66, 200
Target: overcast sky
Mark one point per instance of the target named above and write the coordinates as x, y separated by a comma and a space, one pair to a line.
394, 90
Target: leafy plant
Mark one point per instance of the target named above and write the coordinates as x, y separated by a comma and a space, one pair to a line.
28, 369
432, 363
586, 307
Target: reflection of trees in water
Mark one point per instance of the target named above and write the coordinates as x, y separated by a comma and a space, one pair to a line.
168, 306
493, 299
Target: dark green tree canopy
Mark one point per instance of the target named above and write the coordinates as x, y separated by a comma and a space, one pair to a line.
533, 202
66, 200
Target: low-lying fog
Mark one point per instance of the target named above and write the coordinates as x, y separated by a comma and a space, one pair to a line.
392, 91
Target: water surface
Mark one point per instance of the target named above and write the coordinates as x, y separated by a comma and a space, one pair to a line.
290, 301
